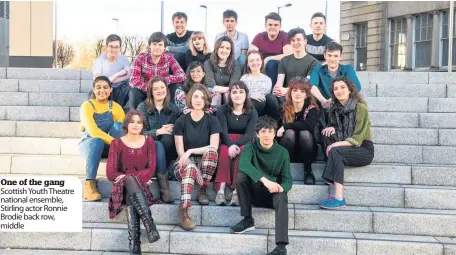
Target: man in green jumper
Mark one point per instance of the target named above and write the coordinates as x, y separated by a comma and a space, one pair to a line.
264, 180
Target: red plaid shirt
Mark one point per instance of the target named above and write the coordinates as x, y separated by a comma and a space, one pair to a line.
143, 69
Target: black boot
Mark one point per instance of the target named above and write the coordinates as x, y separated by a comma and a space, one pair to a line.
133, 230
165, 191
309, 178
139, 202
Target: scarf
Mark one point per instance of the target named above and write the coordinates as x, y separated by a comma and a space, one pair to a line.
343, 116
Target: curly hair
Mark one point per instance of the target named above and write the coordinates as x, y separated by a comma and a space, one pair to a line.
351, 87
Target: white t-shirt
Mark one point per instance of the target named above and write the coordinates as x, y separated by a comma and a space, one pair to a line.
262, 84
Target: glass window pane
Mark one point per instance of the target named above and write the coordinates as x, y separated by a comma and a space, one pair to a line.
444, 31
423, 54
417, 34
423, 34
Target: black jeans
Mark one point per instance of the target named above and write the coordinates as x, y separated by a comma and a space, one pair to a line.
301, 146
251, 193
170, 148
340, 156
269, 107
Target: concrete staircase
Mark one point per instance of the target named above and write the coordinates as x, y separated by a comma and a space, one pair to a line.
403, 203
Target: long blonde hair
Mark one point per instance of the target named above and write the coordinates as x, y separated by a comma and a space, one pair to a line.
198, 34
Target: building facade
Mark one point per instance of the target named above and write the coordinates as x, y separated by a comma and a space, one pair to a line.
26, 33
396, 35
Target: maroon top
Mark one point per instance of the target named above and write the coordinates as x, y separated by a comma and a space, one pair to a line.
270, 48
139, 163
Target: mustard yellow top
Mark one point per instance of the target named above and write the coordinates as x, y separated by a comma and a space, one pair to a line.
88, 123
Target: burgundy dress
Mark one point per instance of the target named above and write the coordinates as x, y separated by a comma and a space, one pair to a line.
139, 163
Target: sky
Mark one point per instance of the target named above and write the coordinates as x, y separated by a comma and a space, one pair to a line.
82, 21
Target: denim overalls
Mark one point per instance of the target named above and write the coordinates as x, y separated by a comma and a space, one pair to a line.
94, 148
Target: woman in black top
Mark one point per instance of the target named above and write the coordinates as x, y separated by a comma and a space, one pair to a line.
222, 68
160, 115
198, 49
237, 119
197, 138
299, 120
195, 75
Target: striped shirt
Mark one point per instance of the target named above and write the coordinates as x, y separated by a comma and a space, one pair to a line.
317, 48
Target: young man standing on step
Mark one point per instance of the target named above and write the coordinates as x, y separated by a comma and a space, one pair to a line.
264, 180
272, 44
317, 41
178, 41
240, 40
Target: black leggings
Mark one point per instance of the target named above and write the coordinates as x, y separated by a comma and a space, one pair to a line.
301, 146
132, 187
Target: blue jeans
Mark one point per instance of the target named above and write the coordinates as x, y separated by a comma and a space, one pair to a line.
160, 155
241, 61
93, 149
272, 70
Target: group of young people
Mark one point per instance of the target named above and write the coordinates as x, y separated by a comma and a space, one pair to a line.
237, 117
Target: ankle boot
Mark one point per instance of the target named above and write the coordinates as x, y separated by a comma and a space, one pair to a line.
202, 196
184, 220
139, 202
165, 192
90, 191
309, 178
133, 230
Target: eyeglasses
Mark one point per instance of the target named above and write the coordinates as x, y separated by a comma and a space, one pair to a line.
114, 47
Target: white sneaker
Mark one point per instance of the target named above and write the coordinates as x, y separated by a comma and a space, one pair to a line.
220, 199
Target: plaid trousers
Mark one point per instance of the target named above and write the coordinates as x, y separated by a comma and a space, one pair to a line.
186, 175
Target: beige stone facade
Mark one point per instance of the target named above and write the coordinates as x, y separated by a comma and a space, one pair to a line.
396, 35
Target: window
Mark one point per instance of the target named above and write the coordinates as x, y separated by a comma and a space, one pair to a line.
361, 47
444, 48
398, 43
423, 40
4, 9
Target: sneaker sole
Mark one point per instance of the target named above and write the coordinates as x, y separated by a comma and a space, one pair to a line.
245, 230
333, 208
221, 204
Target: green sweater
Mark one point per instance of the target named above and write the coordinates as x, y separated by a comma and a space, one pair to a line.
272, 163
362, 126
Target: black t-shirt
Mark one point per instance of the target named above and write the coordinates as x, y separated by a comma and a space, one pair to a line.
236, 124
200, 57
196, 134
179, 40
317, 48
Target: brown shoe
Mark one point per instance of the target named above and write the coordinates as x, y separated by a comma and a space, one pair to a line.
165, 192
184, 220
90, 191
202, 196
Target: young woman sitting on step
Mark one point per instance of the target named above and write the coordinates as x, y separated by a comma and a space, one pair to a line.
130, 167
160, 116
347, 139
101, 120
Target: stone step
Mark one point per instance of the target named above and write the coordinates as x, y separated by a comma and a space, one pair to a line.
49, 86
42, 99
112, 237
300, 217
43, 129
44, 74
420, 174
384, 153
380, 135
411, 90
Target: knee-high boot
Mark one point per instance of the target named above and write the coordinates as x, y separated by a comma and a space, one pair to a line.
133, 230
138, 200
